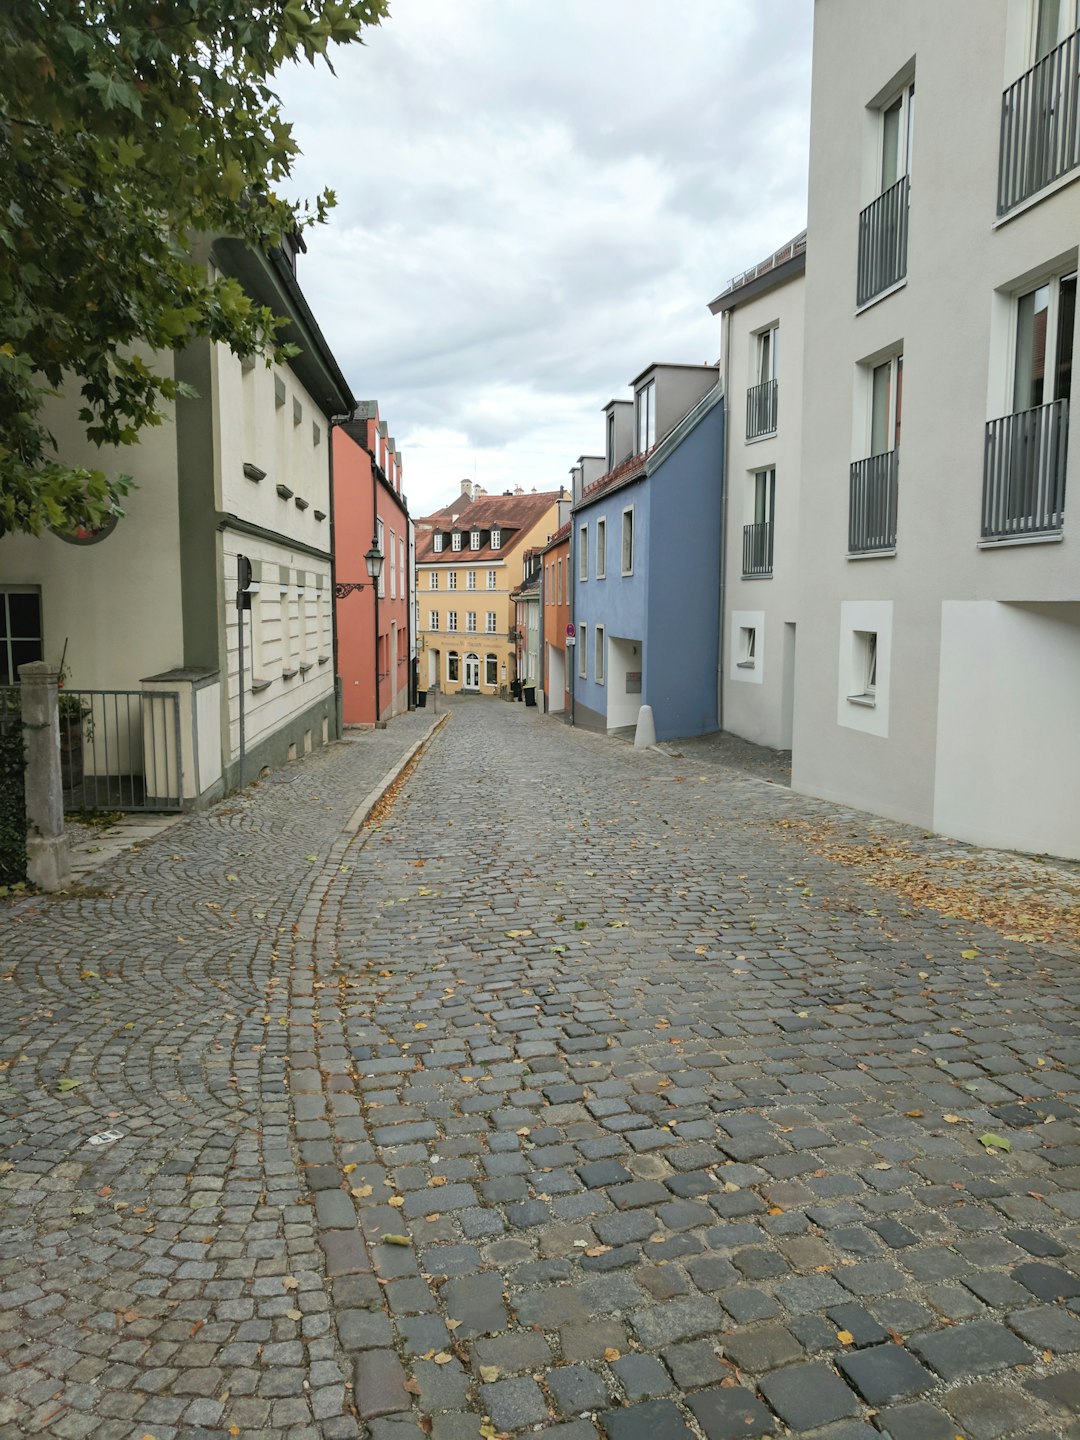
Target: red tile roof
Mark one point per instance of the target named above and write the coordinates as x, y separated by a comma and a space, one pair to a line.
512, 514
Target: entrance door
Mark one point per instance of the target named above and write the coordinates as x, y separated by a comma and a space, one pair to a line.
472, 672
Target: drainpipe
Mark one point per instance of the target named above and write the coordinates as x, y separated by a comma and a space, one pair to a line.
720, 648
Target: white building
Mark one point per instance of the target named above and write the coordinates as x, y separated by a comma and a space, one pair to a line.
762, 357
938, 674
148, 607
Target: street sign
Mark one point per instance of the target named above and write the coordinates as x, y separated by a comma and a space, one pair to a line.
571, 639
570, 631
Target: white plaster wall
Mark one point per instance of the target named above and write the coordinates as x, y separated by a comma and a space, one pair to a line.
747, 620
1008, 763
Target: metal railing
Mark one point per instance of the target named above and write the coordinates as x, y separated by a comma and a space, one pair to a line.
120, 750
883, 241
872, 503
757, 547
1040, 126
1024, 472
761, 410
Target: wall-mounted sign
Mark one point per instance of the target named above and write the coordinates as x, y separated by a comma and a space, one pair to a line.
633, 682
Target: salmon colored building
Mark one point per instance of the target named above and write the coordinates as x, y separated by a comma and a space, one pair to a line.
555, 593
374, 643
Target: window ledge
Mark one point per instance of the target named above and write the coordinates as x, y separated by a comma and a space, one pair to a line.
882, 295
289, 674
1044, 537
764, 575
745, 665
308, 665
869, 702
757, 439
888, 554
324, 659
1037, 198
257, 684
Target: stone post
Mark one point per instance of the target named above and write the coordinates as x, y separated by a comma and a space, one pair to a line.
48, 864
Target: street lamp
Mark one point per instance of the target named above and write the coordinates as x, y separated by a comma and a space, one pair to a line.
374, 559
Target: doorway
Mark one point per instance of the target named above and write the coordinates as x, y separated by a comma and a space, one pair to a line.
472, 672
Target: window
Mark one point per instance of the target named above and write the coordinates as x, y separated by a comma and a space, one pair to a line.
886, 395
451, 579
747, 647
474, 539
391, 557
1054, 22
601, 549
1045, 322
766, 346
491, 580
764, 496
401, 568
455, 540
470, 621
558, 579
433, 620
897, 132
611, 440
453, 666
496, 538
628, 540
433, 580
646, 417
20, 632
865, 668
491, 670
470, 580
583, 553
380, 534
490, 622
451, 620
437, 542
582, 651
598, 657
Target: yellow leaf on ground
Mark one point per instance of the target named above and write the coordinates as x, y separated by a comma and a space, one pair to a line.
611, 1353
361, 1192
489, 1374
397, 1201
348, 1169
396, 1240
845, 1337
290, 1282
442, 1358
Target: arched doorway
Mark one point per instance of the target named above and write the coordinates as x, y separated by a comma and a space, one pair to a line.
472, 672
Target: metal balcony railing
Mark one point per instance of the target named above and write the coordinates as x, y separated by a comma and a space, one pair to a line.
883, 239
1024, 472
872, 503
761, 410
1040, 126
757, 545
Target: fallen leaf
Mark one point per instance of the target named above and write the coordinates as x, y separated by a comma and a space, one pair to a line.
396, 1240
489, 1374
412, 1386
453, 1324
290, 1282
913, 1114
437, 1180
595, 1250
611, 1353
442, 1358
396, 1201
951, 1119
295, 1314
360, 1192
990, 1141
234, 1429
845, 1337
348, 1169
68, 1084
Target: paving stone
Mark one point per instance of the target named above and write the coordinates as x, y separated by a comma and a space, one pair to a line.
1047, 1282
744, 1304
916, 1422
651, 1420
601, 1173
763, 1347
808, 1396
575, 1388
514, 1404
859, 1323
987, 1412
695, 1362
660, 1325
1047, 1328
731, 1413
966, 1350
884, 1373
476, 1300
378, 1383
641, 1376
1060, 1391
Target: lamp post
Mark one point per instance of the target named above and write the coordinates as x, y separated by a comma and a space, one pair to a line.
373, 563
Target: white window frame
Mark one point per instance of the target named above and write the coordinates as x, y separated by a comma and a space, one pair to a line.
380, 539
601, 549
391, 557
611, 441
865, 673
492, 580
9, 639
1067, 21
496, 538
451, 621
433, 580
1053, 336
437, 542
628, 513
491, 670
470, 621
747, 647
474, 539
599, 654
455, 540
491, 623
645, 417
765, 350
894, 415
583, 652
433, 617
453, 658
451, 579
905, 98
470, 580
583, 552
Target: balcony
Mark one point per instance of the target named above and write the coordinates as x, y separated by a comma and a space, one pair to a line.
761, 410
1024, 472
883, 236
1040, 126
872, 504
757, 542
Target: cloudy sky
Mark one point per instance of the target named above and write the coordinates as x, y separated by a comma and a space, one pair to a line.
536, 200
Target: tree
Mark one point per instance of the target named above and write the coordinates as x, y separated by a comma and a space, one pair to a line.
128, 130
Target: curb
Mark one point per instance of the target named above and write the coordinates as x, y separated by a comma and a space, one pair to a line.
372, 798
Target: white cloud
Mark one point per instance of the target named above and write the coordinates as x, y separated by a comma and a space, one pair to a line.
535, 201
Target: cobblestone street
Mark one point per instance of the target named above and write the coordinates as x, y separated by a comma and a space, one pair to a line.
585, 1091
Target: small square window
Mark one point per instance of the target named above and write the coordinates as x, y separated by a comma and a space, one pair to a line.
747, 647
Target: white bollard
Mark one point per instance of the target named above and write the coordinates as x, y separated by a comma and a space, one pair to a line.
645, 734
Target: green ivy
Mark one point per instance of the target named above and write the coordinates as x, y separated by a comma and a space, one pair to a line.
12, 793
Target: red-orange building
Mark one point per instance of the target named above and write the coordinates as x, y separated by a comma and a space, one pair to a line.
373, 623
555, 590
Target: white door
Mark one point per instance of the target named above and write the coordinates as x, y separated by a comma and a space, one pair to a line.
472, 672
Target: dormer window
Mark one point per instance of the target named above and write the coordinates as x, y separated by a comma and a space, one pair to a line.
611, 440
474, 539
438, 542
646, 417
455, 540
496, 539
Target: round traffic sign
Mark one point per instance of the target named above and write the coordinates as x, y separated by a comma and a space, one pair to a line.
570, 631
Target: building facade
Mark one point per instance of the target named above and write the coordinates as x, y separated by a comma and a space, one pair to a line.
761, 316
555, 595
645, 554
469, 561
939, 620
373, 622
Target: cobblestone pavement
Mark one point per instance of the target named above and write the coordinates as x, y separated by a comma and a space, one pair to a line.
600, 1095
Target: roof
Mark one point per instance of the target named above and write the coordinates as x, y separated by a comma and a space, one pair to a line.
561, 535
781, 265
513, 514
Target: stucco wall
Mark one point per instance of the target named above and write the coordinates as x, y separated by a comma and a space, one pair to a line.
618, 602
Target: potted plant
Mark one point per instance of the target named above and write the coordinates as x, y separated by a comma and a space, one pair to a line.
76, 726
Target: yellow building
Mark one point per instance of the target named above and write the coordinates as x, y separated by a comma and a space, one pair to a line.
469, 558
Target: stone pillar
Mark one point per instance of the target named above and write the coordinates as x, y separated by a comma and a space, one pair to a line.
645, 733
48, 864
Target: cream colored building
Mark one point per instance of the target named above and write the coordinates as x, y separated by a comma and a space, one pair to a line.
938, 670
761, 314
148, 608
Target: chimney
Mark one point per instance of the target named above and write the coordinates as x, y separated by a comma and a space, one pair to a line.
518, 490
466, 489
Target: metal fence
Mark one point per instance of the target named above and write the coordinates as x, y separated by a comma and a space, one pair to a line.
757, 547
1040, 126
883, 242
120, 750
872, 503
761, 410
1024, 472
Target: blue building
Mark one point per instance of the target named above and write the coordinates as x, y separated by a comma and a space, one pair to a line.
646, 554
